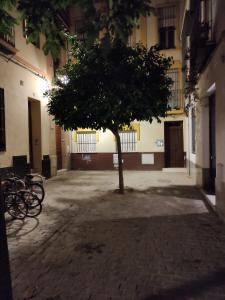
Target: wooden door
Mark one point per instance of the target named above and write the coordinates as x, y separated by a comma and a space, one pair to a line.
212, 143
174, 145
30, 136
58, 147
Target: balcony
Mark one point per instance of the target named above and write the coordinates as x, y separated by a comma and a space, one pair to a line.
7, 42
176, 102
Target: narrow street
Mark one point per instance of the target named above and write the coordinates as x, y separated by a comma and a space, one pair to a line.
158, 241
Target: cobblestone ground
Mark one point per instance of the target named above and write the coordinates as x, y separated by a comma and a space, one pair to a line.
157, 242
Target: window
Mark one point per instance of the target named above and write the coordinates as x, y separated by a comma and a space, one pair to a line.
80, 29
2, 121
86, 142
128, 140
35, 43
206, 19
193, 131
9, 38
167, 27
56, 65
175, 98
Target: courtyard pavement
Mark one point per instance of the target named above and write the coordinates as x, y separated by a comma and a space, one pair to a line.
158, 241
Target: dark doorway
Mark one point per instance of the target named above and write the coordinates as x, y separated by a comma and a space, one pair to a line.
212, 143
174, 144
34, 125
58, 146
30, 135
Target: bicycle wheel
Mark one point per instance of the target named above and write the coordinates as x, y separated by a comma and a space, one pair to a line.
33, 204
16, 206
19, 184
38, 189
6, 186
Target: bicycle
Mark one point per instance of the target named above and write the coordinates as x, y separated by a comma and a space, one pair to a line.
27, 201
15, 205
34, 185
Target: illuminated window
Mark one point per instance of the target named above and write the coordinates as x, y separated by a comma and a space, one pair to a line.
86, 142
128, 140
167, 27
2, 121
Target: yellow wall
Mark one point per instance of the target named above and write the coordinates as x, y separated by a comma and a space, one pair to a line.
149, 134
147, 33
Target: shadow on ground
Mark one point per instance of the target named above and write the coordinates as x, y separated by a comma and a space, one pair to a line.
92, 254
190, 192
18, 228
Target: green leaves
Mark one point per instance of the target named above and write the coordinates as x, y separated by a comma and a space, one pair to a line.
109, 20
43, 17
115, 19
6, 21
110, 89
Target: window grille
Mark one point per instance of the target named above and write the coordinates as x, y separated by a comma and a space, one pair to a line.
206, 19
167, 27
35, 43
128, 141
86, 142
175, 98
9, 38
2, 121
79, 29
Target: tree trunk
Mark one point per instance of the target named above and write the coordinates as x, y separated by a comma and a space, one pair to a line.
5, 278
121, 182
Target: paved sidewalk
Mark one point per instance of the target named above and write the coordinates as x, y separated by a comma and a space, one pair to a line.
157, 242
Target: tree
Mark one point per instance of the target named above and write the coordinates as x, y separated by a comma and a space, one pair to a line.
108, 88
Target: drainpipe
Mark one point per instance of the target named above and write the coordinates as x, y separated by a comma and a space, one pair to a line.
189, 142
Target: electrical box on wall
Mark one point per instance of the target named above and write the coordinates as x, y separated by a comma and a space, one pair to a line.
115, 160
147, 159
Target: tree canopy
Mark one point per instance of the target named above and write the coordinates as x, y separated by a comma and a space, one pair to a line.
109, 88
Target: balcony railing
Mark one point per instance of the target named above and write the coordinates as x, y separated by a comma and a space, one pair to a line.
176, 100
9, 38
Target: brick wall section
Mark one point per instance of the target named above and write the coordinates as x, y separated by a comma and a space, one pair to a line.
104, 161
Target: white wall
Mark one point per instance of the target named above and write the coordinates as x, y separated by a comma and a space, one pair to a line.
16, 109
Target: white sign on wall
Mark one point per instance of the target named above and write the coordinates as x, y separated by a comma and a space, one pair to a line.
147, 159
115, 159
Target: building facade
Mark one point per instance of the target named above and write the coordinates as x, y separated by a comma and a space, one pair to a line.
203, 38
146, 146
28, 139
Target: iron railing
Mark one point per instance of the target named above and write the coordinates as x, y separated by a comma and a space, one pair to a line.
9, 38
176, 99
86, 142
